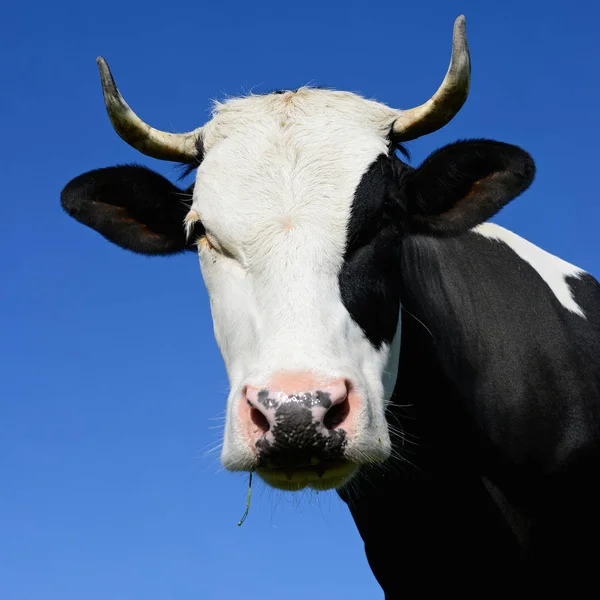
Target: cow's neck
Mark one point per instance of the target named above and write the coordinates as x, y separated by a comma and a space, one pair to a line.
442, 296
490, 344
457, 322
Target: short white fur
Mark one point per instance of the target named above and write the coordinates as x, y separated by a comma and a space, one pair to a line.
274, 192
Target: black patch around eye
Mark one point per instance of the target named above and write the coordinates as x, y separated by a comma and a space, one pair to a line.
375, 205
370, 276
370, 287
367, 215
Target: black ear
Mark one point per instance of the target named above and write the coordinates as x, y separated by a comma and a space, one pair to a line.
463, 184
132, 207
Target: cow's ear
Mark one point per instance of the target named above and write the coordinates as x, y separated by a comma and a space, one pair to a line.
132, 207
462, 185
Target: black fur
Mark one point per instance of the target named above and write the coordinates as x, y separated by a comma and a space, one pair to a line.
464, 184
132, 207
368, 282
498, 396
456, 188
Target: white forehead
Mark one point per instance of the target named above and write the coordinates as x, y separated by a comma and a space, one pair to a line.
286, 160
306, 106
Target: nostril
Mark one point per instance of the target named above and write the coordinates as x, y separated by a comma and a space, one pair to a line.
259, 419
337, 414
257, 414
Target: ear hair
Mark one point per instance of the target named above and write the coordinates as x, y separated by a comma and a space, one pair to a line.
463, 184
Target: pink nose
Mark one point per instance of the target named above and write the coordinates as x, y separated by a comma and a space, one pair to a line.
295, 410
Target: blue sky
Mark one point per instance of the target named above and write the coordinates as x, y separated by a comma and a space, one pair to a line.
111, 385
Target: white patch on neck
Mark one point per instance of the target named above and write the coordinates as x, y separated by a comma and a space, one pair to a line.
552, 270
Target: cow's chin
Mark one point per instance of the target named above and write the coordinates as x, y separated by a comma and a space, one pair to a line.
324, 477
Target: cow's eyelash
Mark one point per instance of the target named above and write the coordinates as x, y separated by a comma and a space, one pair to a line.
216, 246
193, 225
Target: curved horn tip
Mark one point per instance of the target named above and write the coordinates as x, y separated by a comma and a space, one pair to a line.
441, 108
108, 82
177, 147
459, 33
102, 65
460, 44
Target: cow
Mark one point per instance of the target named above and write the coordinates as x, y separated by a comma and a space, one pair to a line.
381, 336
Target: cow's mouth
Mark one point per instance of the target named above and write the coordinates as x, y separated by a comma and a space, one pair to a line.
323, 476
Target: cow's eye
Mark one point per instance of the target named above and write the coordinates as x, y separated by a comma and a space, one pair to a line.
216, 246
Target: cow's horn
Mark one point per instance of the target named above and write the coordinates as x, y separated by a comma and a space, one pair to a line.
178, 147
447, 101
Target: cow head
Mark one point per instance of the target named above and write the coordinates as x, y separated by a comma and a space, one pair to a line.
296, 213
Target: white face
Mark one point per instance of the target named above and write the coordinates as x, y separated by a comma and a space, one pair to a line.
275, 192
